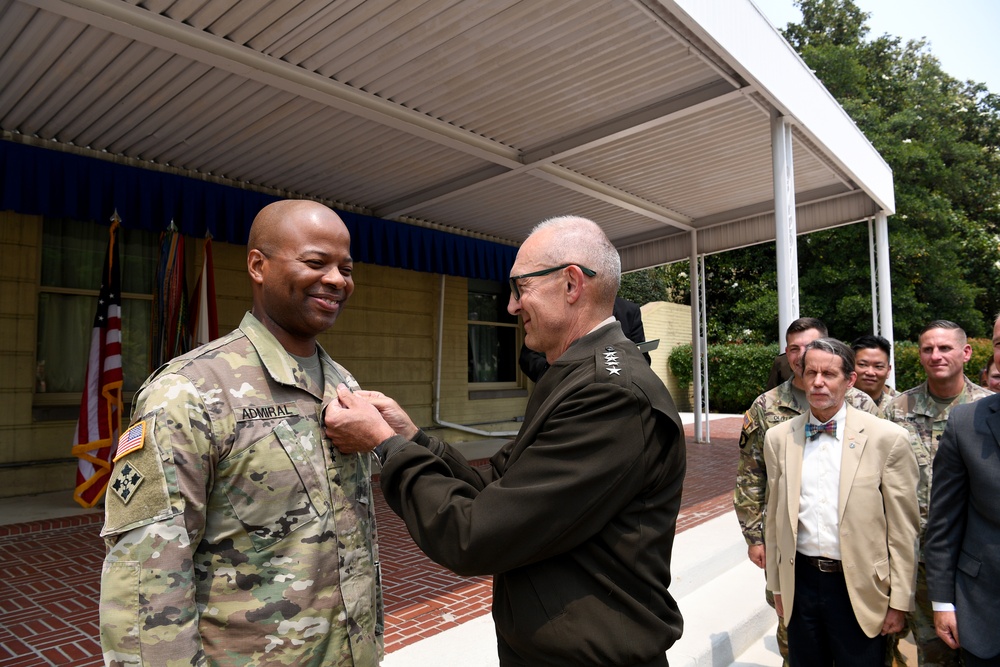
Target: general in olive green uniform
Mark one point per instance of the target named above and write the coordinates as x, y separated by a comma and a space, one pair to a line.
236, 534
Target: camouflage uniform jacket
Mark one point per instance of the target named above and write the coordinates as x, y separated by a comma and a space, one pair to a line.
770, 409
917, 412
888, 393
236, 535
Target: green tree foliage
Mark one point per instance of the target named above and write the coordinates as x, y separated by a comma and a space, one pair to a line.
941, 137
736, 373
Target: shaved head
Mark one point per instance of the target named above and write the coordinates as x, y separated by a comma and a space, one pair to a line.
301, 271
570, 238
567, 274
269, 225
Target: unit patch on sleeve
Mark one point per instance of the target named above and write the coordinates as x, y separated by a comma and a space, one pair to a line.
131, 439
126, 482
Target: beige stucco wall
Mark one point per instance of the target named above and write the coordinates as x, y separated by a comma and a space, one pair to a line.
387, 337
670, 323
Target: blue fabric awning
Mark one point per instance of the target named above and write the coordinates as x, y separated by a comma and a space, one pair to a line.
37, 181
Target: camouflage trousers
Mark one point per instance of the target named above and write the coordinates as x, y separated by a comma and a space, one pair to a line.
782, 633
931, 651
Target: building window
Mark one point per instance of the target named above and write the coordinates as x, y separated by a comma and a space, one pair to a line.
72, 256
493, 334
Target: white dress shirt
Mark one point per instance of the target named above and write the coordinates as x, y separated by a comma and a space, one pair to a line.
819, 522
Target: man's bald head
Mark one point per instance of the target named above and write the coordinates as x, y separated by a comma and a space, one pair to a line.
572, 239
301, 271
270, 223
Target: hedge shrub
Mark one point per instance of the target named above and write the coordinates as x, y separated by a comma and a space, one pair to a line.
737, 372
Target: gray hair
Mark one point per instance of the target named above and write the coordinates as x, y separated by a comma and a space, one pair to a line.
583, 241
831, 346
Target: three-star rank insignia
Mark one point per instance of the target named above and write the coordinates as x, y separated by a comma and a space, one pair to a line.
126, 482
611, 364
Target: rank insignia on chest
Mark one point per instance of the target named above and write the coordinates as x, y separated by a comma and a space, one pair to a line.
126, 482
131, 440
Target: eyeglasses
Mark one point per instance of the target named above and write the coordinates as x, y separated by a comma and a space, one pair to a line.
516, 290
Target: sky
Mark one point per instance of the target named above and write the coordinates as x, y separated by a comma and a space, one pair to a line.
964, 35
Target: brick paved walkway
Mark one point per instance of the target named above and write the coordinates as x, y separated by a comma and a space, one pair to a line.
49, 571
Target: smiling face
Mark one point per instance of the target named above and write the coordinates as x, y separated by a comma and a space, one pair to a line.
872, 366
943, 353
540, 307
795, 344
302, 274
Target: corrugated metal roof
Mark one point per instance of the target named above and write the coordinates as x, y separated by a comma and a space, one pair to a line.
480, 116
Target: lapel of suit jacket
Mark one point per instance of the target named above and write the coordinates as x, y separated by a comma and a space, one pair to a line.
850, 458
795, 442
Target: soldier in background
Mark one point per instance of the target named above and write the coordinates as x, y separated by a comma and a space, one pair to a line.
236, 533
871, 355
771, 408
923, 411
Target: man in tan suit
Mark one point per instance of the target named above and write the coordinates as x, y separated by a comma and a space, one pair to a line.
842, 517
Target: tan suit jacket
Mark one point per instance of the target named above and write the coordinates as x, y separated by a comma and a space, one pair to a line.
877, 511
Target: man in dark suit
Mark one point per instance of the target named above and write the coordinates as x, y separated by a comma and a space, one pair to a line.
963, 530
841, 528
575, 517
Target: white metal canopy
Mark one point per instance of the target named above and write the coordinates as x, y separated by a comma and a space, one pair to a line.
652, 117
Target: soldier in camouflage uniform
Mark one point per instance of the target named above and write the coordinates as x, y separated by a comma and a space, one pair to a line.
236, 534
923, 411
871, 354
771, 408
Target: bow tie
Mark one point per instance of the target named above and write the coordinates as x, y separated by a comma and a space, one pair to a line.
813, 430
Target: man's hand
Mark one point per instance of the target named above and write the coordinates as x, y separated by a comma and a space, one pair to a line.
894, 621
778, 606
755, 552
394, 415
946, 626
353, 424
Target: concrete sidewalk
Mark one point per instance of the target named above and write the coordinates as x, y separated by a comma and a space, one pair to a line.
719, 591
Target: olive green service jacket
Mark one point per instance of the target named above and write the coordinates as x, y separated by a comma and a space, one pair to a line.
575, 517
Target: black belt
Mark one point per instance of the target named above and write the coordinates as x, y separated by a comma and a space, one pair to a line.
823, 564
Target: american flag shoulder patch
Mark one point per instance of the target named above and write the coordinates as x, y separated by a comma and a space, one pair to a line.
131, 440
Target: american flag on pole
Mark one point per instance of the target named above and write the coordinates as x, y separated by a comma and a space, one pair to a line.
204, 316
101, 405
